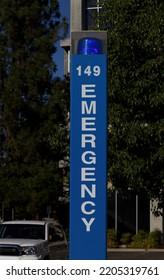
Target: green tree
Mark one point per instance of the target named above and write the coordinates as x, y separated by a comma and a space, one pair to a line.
136, 94
29, 116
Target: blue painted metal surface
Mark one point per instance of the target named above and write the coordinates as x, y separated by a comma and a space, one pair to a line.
88, 157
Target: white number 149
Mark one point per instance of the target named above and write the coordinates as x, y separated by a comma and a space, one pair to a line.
89, 70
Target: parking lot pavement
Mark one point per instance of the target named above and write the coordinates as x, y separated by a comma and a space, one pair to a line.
135, 254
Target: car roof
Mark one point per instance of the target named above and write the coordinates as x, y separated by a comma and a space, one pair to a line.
30, 222
25, 222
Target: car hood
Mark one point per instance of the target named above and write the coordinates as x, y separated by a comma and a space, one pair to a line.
20, 242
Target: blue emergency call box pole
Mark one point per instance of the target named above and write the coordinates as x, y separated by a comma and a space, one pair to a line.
88, 146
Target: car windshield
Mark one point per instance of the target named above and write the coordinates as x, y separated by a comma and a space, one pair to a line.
24, 231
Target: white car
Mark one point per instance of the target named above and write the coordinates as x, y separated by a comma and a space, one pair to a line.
29, 240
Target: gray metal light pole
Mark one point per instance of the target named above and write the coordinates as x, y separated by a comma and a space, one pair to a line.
136, 214
116, 211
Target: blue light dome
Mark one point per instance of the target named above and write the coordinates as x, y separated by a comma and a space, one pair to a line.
89, 46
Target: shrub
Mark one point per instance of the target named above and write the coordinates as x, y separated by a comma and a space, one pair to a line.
155, 239
126, 238
112, 240
140, 240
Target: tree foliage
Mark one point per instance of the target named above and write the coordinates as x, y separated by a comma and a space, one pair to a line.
31, 104
136, 94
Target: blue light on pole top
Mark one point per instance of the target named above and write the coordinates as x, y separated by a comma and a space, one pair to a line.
87, 46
